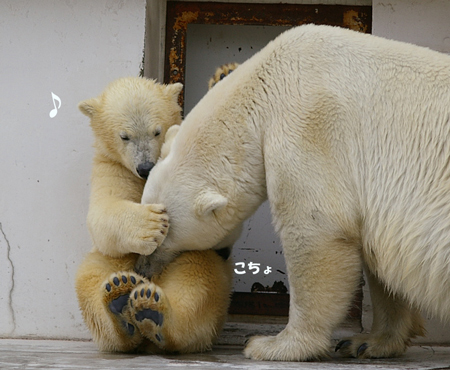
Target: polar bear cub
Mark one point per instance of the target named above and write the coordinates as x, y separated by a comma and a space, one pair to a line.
184, 307
347, 135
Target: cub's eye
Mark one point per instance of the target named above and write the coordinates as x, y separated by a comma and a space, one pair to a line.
124, 136
157, 132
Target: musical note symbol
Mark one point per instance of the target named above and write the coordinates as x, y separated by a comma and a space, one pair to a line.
54, 111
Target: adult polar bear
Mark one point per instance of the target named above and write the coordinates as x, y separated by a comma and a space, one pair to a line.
347, 136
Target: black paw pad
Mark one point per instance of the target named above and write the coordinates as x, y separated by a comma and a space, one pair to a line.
149, 293
148, 313
156, 296
124, 279
158, 337
116, 281
108, 287
133, 280
116, 306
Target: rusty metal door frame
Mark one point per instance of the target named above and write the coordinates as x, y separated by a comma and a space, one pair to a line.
181, 13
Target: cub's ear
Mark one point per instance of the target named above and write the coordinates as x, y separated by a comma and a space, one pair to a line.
89, 107
173, 90
170, 135
209, 201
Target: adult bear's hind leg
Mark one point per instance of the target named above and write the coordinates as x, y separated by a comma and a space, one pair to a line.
395, 323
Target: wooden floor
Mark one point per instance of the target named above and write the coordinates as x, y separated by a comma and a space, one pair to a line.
53, 354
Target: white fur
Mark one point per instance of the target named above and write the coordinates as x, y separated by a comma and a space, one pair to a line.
348, 136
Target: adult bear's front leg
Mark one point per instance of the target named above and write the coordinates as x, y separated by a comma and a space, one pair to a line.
323, 274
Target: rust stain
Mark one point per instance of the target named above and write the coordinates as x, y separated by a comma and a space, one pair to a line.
354, 20
173, 54
184, 19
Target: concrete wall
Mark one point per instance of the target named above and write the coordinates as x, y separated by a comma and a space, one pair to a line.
421, 22
73, 49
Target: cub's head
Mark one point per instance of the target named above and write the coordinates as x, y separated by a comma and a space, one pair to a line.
130, 120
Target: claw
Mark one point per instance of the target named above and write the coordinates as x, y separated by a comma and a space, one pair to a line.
130, 329
343, 344
362, 348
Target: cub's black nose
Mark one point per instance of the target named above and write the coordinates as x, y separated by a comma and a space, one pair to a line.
144, 169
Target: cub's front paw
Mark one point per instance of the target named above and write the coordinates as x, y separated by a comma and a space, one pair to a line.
150, 225
154, 264
116, 291
143, 266
150, 309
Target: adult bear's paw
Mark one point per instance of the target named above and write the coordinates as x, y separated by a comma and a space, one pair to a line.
286, 346
150, 309
372, 346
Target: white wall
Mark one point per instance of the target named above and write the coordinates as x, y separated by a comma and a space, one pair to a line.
421, 22
73, 49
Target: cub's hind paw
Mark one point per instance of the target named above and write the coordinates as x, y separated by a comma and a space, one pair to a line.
117, 288
116, 292
150, 310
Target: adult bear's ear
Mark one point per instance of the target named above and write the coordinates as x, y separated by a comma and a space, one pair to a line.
208, 202
173, 90
89, 107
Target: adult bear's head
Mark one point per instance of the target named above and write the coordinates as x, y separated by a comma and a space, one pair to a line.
213, 176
